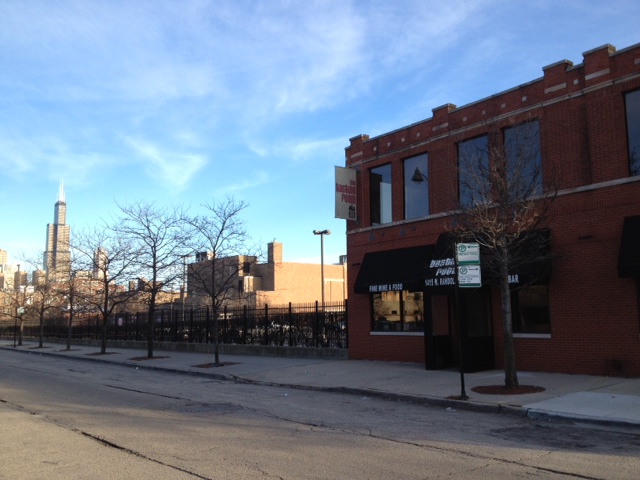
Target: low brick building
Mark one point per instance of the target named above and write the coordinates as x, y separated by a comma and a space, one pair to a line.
274, 282
582, 315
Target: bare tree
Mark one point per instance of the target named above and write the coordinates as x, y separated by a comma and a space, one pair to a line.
503, 200
107, 261
41, 295
72, 301
17, 300
160, 237
221, 233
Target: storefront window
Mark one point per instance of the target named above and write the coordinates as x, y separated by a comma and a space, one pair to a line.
632, 103
530, 309
398, 312
473, 169
380, 201
416, 187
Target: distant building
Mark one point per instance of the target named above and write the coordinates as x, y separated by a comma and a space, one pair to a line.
38, 278
57, 256
99, 263
248, 282
20, 279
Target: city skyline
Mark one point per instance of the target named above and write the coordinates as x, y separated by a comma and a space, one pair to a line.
186, 104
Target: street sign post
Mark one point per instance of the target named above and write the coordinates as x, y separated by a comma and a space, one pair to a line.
469, 276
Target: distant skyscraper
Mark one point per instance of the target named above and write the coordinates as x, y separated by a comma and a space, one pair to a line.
99, 263
57, 256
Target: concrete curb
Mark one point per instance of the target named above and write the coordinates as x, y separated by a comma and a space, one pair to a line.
444, 403
449, 403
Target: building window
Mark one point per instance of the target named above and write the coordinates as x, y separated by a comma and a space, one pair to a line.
380, 187
523, 162
530, 309
416, 187
632, 104
638, 295
473, 168
398, 312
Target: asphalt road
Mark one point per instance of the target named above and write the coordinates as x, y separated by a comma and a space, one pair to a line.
62, 418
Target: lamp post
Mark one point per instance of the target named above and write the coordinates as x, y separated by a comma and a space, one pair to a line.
183, 288
322, 233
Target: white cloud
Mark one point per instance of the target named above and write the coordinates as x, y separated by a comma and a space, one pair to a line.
48, 156
170, 168
302, 151
259, 178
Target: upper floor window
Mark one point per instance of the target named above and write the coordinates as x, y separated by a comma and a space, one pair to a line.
522, 159
473, 168
416, 187
632, 104
380, 188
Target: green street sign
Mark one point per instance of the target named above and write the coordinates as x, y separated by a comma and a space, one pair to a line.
468, 253
469, 276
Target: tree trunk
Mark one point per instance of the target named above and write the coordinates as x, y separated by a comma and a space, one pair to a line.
69, 331
150, 316
40, 344
216, 340
510, 373
103, 346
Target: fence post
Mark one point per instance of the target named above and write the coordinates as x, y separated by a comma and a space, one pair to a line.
207, 321
290, 319
191, 325
225, 338
346, 323
244, 324
316, 326
266, 324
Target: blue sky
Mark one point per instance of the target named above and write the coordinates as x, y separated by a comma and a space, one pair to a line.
186, 102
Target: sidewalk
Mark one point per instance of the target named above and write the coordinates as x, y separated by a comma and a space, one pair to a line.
606, 401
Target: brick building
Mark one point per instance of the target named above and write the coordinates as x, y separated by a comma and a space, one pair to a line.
580, 316
274, 282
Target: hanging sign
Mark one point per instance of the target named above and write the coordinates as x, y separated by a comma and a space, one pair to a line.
346, 193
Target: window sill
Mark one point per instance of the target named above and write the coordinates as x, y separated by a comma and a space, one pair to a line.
398, 334
531, 335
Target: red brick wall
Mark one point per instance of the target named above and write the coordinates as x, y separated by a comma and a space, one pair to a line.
595, 321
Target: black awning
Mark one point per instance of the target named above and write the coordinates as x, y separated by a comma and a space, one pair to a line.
531, 262
629, 256
393, 270
440, 274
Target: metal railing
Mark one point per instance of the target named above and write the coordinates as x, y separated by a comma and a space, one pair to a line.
293, 325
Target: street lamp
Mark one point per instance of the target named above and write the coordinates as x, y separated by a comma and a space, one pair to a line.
322, 233
419, 177
183, 287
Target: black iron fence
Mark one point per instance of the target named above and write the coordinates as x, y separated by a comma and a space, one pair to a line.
299, 325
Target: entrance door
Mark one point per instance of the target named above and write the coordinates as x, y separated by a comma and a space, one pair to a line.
442, 332
439, 314
477, 336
